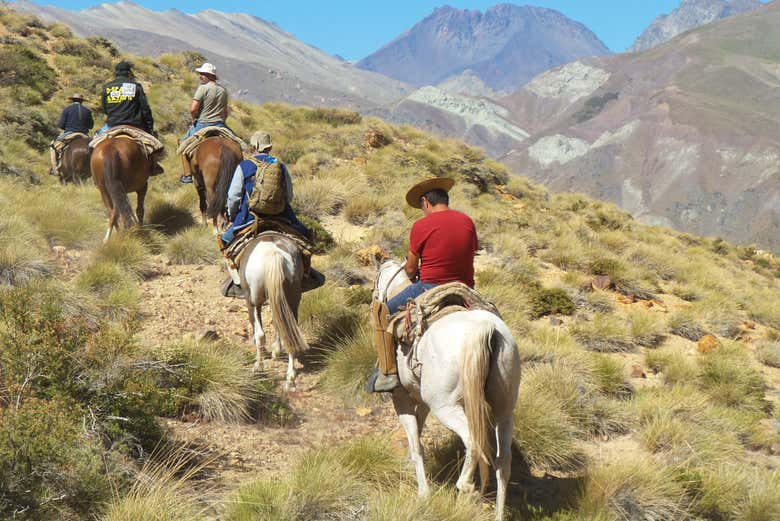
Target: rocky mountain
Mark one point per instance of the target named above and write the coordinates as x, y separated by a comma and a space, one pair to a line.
255, 57
686, 134
505, 46
689, 15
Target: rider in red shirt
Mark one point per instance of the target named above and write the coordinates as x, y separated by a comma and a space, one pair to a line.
441, 249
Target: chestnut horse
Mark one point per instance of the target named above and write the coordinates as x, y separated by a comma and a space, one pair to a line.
212, 166
75, 161
120, 166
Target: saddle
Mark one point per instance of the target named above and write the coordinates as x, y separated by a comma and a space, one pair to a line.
409, 324
152, 147
188, 147
60, 144
259, 227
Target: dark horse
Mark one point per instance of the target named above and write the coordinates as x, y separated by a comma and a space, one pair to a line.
212, 166
75, 161
119, 166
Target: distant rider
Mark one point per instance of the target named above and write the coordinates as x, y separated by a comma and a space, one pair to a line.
239, 216
209, 108
442, 246
125, 103
74, 118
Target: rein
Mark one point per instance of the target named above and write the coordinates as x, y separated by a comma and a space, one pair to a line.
389, 283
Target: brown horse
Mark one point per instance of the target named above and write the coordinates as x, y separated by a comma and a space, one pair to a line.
75, 161
212, 166
119, 166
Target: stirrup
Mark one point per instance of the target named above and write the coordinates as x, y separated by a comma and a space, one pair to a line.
381, 383
230, 289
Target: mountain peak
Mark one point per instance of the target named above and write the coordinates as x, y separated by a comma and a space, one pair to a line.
505, 46
689, 15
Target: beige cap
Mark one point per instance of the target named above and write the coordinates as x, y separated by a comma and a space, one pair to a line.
207, 68
420, 189
261, 141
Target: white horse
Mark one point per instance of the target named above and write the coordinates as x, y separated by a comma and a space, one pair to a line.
271, 269
469, 379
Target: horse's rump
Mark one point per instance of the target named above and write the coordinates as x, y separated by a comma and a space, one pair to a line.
150, 145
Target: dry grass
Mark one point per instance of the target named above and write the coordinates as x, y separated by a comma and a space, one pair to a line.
127, 250
603, 333
768, 352
347, 365
648, 328
23, 253
195, 245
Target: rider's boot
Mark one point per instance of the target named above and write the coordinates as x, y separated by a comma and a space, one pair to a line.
385, 377
231, 287
54, 161
186, 171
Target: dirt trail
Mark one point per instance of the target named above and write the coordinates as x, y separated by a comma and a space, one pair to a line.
185, 300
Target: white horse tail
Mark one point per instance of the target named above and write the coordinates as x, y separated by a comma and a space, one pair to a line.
283, 318
475, 368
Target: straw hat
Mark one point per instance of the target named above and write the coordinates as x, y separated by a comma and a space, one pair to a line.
261, 140
76, 96
417, 191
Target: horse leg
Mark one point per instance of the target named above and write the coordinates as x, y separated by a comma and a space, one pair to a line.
139, 210
202, 201
454, 418
289, 383
258, 336
503, 462
405, 410
276, 347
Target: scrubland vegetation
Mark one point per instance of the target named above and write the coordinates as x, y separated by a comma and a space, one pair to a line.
625, 412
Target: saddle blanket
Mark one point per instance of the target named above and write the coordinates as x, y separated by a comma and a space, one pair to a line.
150, 144
60, 144
188, 147
235, 249
409, 324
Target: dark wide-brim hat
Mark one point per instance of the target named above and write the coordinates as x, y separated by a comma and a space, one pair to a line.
420, 189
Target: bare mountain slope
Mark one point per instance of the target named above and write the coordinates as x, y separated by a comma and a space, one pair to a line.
689, 15
505, 46
259, 59
686, 134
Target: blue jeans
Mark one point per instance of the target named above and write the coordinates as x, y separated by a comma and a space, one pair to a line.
102, 130
198, 126
410, 292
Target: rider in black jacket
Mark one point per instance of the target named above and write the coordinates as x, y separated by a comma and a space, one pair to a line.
124, 103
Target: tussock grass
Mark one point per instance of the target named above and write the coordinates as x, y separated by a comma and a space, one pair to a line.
127, 250
762, 502
213, 380
768, 352
444, 504
730, 378
23, 253
325, 316
348, 362
360, 209
604, 333
161, 492
636, 488
317, 196
545, 344
720, 313
115, 288
675, 365
683, 322
195, 245
648, 328
71, 216
170, 217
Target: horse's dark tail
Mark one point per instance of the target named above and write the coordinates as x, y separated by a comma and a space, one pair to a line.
216, 204
116, 189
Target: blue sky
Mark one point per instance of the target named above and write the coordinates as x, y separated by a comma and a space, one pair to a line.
355, 29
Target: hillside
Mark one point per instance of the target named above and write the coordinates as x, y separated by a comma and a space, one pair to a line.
505, 46
651, 379
257, 59
684, 135
689, 15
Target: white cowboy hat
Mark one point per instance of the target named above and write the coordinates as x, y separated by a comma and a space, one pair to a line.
420, 189
207, 68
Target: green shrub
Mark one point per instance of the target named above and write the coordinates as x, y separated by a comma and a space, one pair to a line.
22, 66
332, 117
45, 454
322, 239
551, 301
